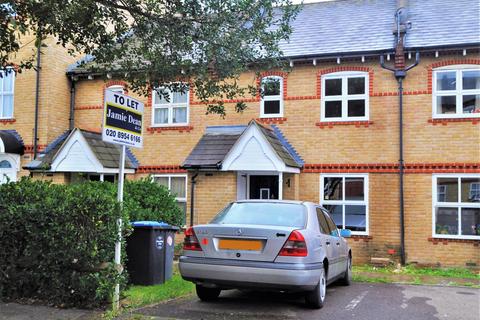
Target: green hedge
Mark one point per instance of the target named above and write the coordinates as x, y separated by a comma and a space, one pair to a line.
57, 241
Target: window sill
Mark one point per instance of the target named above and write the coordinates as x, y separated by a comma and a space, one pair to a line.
272, 120
358, 237
438, 239
5, 121
185, 128
445, 121
331, 124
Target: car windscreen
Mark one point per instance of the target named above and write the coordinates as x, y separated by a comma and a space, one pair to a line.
263, 213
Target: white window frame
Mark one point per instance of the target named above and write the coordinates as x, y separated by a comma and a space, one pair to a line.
170, 105
9, 93
344, 97
458, 93
457, 205
117, 88
278, 97
364, 202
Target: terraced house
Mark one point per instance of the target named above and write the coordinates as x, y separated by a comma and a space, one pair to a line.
392, 149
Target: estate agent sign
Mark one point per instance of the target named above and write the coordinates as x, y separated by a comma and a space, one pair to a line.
122, 120
122, 124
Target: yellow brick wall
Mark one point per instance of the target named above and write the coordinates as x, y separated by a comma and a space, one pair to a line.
212, 194
377, 143
418, 227
54, 95
455, 142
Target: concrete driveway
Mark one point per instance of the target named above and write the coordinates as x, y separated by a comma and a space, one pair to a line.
359, 301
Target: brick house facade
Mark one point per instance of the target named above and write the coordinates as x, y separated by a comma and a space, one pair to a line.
339, 113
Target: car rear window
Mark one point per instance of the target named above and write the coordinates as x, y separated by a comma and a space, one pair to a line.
262, 213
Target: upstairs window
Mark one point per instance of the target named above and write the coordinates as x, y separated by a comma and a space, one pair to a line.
456, 92
170, 108
272, 100
117, 88
456, 206
344, 96
7, 79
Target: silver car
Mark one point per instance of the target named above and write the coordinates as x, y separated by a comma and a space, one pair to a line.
267, 244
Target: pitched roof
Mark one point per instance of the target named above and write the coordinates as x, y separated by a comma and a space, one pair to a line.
107, 153
344, 27
214, 145
361, 26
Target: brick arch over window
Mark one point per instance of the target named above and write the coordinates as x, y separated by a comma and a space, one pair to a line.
280, 74
445, 63
117, 83
322, 72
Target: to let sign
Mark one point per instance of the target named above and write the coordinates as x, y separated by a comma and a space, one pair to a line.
122, 120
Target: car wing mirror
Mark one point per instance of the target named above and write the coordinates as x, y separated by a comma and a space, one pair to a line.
346, 233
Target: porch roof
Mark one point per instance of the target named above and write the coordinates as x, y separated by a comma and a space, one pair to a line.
217, 142
105, 154
11, 142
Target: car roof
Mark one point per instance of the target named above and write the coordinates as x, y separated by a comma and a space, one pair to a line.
275, 201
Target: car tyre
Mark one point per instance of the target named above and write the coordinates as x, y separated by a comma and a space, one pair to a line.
347, 276
316, 298
207, 294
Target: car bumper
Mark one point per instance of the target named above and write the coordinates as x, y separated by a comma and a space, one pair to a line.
250, 274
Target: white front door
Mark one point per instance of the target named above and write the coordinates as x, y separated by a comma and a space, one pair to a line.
8, 170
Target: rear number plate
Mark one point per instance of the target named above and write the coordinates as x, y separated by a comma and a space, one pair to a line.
240, 244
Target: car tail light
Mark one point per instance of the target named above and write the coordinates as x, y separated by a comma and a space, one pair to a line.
191, 241
295, 246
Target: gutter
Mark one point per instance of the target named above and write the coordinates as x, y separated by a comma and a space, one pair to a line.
37, 97
400, 72
71, 119
192, 197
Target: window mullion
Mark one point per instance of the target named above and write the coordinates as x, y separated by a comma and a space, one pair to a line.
459, 96
344, 97
459, 220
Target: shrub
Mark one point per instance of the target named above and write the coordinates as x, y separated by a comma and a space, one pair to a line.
57, 241
145, 200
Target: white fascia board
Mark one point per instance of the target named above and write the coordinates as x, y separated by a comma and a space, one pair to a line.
86, 161
242, 156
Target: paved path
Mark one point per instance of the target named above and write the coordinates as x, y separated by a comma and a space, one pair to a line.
359, 301
15, 311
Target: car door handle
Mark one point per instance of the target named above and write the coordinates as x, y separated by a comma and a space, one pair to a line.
327, 243
338, 243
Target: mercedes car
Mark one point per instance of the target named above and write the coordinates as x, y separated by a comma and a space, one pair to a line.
267, 245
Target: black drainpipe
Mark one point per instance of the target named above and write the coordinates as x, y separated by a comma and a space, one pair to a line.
37, 94
400, 72
71, 120
192, 196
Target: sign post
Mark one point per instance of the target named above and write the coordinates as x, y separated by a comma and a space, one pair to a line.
122, 124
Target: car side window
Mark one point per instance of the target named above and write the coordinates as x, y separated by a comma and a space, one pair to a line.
322, 222
331, 225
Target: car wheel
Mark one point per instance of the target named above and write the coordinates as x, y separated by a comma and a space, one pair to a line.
347, 276
316, 298
207, 294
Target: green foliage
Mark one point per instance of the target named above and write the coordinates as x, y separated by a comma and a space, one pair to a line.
57, 241
145, 200
420, 271
153, 43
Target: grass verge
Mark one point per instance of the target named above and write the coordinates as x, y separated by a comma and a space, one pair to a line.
415, 275
416, 271
138, 296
